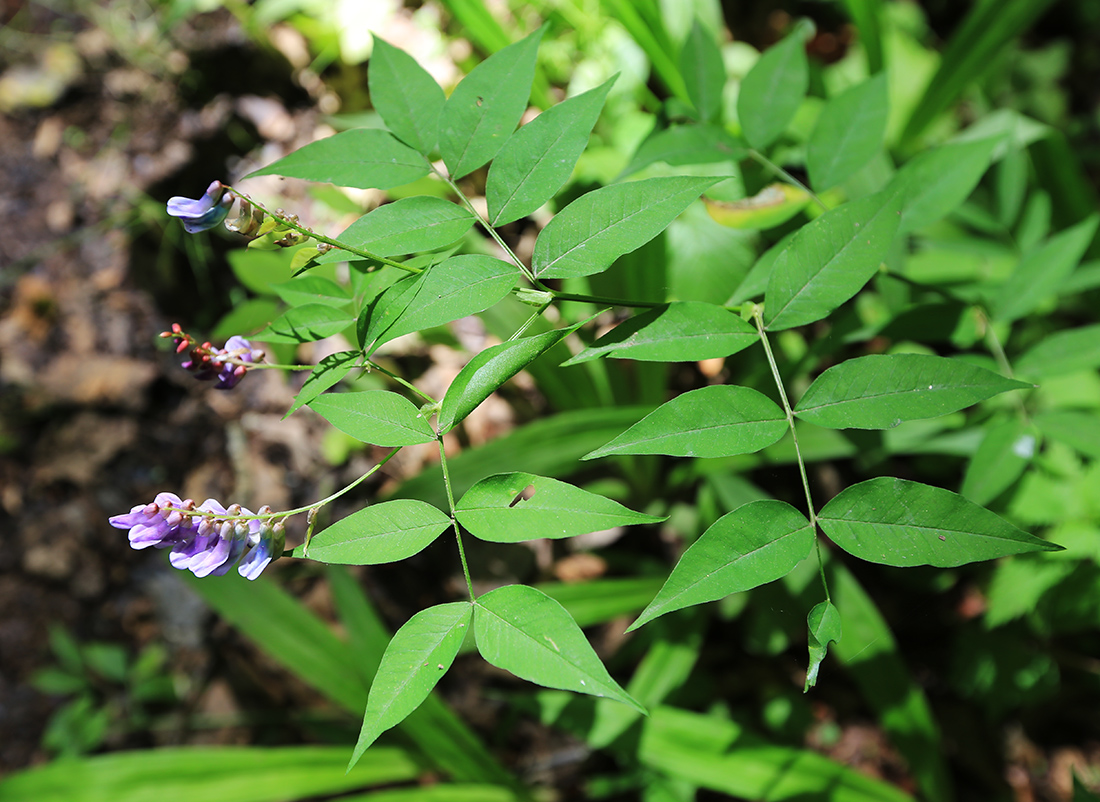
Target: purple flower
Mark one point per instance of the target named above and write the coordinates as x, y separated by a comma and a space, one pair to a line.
223, 364
207, 540
204, 213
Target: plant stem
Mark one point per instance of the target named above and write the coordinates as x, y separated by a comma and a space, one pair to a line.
454, 519
995, 346
599, 299
287, 221
760, 158
759, 320
371, 365
492, 232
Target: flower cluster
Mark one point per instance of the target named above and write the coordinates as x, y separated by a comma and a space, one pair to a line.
228, 365
204, 213
206, 539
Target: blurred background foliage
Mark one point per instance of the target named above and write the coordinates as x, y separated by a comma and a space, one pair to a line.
981, 682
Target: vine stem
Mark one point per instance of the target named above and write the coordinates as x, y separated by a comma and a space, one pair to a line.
995, 346
758, 318
454, 518
290, 223
760, 158
599, 299
492, 232
370, 365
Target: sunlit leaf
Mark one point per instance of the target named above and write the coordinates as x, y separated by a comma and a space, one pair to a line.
406, 97
375, 416
409, 225
936, 181
416, 659
539, 158
600, 226
486, 106
717, 421
514, 507
757, 543
526, 632
829, 260
902, 523
380, 533
774, 205
303, 324
365, 158
882, 390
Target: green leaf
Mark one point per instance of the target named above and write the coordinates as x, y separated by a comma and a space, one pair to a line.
682, 331
757, 543
489, 370
304, 324
1076, 429
526, 632
600, 226
381, 533
406, 97
717, 421
328, 372
824, 625
848, 133
974, 48
1042, 272
687, 144
462, 285
312, 290
365, 158
213, 774
936, 181
417, 657
880, 391
902, 523
385, 310
539, 158
375, 416
515, 507
829, 260
773, 90
1062, 352
409, 225
1004, 454
486, 106
704, 72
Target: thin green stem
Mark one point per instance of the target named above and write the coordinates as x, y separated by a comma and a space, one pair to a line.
994, 344
492, 232
403, 382
758, 318
290, 222
760, 158
599, 299
454, 518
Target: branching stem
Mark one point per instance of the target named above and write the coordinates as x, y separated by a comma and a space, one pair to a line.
759, 320
454, 518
